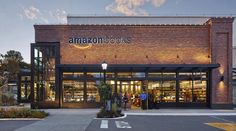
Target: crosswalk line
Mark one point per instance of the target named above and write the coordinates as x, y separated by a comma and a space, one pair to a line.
104, 124
122, 124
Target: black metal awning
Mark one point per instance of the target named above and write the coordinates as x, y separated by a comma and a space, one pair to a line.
137, 67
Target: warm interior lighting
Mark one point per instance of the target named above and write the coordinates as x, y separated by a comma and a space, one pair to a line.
112, 82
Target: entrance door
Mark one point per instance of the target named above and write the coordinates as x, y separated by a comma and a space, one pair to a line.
133, 90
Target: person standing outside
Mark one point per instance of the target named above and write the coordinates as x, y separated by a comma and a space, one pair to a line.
125, 99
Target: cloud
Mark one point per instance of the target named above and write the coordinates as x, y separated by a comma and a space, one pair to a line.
158, 3
132, 7
60, 15
44, 16
31, 13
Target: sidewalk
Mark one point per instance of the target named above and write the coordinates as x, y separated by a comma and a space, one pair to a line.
182, 112
63, 120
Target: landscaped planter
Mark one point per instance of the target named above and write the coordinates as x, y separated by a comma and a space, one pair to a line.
22, 113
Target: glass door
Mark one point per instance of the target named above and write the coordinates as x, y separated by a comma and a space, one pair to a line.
133, 91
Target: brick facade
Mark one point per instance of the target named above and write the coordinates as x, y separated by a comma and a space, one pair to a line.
221, 51
209, 43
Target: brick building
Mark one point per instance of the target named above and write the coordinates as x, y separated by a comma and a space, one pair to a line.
180, 64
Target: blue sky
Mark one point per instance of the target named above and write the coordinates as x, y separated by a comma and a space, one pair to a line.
17, 17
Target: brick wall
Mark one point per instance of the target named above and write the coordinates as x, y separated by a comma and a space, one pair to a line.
221, 46
149, 44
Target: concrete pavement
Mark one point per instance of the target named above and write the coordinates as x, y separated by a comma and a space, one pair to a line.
63, 120
182, 112
80, 119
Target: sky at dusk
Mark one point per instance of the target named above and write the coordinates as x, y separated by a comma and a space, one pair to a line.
17, 17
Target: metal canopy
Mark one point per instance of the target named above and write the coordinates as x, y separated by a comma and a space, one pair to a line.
138, 67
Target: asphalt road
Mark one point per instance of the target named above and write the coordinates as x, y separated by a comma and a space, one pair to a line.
161, 123
11, 125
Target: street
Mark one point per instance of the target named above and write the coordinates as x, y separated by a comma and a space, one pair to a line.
165, 123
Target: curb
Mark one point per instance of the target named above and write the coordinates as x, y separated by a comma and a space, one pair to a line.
20, 119
122, 117
181, 114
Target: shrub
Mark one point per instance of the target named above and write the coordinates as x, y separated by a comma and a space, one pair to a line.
22, 113
108, 114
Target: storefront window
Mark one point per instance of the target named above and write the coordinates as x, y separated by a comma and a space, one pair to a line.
92, 91
155, 74
169, 91
169, 74
25, 91
44, 71
199, 74
109, 75
25, 88
199, 91
154, 88
73, 91
185, 91
112, 83
187, 75
71, 75
124, 75
138, 74
94, 75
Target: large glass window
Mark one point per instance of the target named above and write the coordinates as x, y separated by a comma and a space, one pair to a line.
155, 74
94, 75
186, 75
73, 91
44, 73
155, 88
138, 74
185, 91
72, 75
199, 91
25, 88
169, 74
124, 75
92, 91
199, 75
168, 91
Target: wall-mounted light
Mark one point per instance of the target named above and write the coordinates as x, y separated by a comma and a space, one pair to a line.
222, 78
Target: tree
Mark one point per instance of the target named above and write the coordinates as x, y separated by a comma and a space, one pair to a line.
14, 56
12, 62
10, 65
